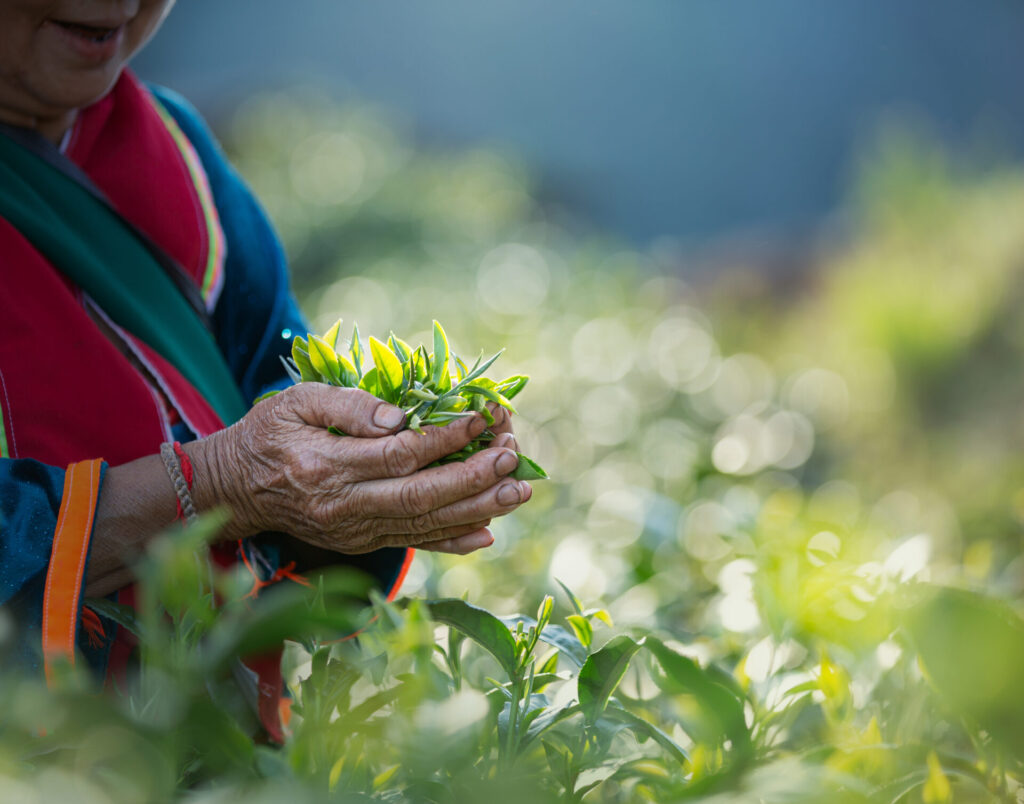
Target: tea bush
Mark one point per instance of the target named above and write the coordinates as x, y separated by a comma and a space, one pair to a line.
779, 558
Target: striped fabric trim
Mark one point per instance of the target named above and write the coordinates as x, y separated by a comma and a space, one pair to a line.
4, 451
213, 276
65, 576
5, 402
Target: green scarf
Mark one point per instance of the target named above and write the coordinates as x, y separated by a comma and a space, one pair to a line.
97, 250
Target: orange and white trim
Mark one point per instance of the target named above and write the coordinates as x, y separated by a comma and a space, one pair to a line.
66, 574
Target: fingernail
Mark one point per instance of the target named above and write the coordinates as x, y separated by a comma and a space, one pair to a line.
525, 490
388, 416
476, 425
509, 494
506, 462
510, 442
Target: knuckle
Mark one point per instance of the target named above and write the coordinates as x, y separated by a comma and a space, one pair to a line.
414, 499
321, 519
424, 524
399, 458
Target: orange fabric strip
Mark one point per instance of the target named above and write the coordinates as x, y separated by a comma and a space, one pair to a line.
67, 562
402, 572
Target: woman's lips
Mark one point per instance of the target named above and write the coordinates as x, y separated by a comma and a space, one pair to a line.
92, 43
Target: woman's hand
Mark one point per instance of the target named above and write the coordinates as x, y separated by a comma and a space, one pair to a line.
278, 469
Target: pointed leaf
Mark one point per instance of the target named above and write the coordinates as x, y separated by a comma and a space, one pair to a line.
479, 625
389, 369
324, 360
300, 357
583, 629
399, 347
721, 709
369, 383
331, 336
529, 469
602, 673
511, 386
439, 372
356, 350
642, 727
349, 375
489, 394
574, 601
291, 370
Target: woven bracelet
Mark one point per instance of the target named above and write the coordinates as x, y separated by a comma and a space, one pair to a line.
174, 461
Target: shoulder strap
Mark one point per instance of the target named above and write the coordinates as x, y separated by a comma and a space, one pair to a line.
87, 241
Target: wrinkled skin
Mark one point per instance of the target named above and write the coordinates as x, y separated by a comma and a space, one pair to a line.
278, 469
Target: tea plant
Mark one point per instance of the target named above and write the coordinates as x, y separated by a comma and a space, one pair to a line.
433, 388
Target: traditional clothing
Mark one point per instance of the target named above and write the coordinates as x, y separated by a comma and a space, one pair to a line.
143, 300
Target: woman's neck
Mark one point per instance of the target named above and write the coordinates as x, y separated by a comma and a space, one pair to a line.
52, 128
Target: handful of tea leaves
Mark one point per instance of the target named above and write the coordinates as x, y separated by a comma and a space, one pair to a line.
435, 388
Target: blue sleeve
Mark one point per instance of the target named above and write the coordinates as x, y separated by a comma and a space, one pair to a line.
30, 499
256, 315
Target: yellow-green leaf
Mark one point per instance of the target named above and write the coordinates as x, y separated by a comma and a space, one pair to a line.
442, 379
400, 348
331, 336
356, 350
389, 368
349, 375
582, 628
324, 360
937, 789
300, 357
511, 386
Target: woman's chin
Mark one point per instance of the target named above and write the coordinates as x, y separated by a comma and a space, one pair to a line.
68, 90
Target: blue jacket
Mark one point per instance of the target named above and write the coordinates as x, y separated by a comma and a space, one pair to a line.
254, 320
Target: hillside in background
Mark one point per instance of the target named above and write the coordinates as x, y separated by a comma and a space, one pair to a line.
688, 120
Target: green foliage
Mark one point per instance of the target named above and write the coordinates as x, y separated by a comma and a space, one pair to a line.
419, 383
763, 490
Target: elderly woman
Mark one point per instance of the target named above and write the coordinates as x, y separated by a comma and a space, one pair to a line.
144, 303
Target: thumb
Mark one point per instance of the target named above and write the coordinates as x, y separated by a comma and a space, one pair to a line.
351, 410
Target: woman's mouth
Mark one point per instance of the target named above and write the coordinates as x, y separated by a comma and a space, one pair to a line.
93, 33
94, 43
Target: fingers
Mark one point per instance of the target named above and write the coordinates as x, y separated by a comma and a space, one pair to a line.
502, 419
461, 545
351, 410
407, 452
506, 441
426, 491
498, 500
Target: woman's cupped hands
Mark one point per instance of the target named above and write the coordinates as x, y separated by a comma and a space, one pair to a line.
279, 469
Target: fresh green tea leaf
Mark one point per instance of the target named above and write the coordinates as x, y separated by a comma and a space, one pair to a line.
720, 708
479, 625
439, 374
331, 336
528, 469
389, 370
324, 360
582, 628
511, 386
602, 673
356, 350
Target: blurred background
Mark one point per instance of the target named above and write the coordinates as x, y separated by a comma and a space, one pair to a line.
763, 263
